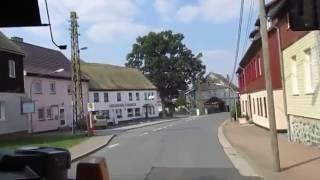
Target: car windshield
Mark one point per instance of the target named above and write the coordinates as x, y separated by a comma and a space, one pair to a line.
159, 89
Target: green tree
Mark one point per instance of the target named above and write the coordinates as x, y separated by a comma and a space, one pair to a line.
166, 62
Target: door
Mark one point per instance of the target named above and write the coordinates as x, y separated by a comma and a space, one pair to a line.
62, 117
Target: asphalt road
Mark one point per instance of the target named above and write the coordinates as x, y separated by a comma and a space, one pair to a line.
181, 150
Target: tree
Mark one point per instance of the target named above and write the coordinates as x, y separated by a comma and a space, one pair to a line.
166, 62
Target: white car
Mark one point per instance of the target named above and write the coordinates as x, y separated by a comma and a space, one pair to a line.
100, 121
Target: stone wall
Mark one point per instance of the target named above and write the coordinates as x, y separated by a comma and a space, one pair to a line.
305, 130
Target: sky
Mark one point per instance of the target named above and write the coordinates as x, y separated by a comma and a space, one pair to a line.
109, 27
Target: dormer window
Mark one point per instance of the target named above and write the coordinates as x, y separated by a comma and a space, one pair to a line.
12, 69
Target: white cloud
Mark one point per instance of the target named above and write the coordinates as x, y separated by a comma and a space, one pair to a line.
187, 13
165, 7
109, 32
204, 10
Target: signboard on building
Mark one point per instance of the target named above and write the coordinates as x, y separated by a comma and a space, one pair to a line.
28, 107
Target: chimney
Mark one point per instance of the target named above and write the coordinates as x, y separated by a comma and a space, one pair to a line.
17, 39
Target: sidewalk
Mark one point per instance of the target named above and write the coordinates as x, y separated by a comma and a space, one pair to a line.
298, 161
89, 146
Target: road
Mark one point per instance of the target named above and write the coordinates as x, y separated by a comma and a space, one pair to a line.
185, 149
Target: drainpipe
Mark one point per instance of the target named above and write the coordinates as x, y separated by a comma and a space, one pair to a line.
282, 81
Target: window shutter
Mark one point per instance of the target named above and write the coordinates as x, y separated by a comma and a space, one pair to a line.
315, 58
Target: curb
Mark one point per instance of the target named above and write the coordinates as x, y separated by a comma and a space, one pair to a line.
94, 150
237, 160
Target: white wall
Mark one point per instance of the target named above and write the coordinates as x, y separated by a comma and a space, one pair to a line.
262, 120
124, 104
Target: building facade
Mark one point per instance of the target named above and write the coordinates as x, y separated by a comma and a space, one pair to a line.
302, 81
48, 84
214, 94
120, 93
12, 92
253, 95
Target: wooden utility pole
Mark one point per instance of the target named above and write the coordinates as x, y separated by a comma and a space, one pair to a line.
267, 75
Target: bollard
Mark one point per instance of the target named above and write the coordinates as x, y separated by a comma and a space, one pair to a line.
92, 168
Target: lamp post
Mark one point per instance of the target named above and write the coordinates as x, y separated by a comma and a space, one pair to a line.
30, 92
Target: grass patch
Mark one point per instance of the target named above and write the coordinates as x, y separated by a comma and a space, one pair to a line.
61, 141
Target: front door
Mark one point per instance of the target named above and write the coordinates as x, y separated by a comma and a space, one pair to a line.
62, 117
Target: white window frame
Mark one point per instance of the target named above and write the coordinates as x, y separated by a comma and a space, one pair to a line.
54, 90
49, 116
41, 109
137, 96
118, 96
130, 96
2, 111
105, 97
135, 112
96, 99
294, 75
259, 64
12, 68
308, 71
132, 112
34, 87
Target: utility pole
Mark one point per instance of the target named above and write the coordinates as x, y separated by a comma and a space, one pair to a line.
77, 98
267, 75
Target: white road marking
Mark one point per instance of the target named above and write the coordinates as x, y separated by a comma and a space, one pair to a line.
144, 134
113, 145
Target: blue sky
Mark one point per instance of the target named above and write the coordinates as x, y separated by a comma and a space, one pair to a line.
108, 27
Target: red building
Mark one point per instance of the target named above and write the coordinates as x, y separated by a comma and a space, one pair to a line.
250, 72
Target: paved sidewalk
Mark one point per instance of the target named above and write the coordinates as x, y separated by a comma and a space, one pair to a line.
89, 146
298, 161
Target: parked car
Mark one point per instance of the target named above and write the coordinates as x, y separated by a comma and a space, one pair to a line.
101, 121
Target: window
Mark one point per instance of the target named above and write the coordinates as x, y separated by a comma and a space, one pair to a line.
52, 86
95, 97
254, 106
307, 71
106, 97
130, 96
49, 113
294, 77
261, 112
152, 110
265, 107
137, 111
69, 89
119, 113
259, 66
130, 112
152, 95
41, 114
258, 107
118, 96
105, 113
145, 96
137, 96
2, 111
37, 87
12, 69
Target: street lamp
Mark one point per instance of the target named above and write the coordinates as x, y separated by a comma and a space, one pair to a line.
31, 87
235, 99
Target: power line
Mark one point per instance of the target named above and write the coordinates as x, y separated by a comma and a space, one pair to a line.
238, 42
248, 25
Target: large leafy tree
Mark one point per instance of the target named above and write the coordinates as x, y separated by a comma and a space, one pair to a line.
167, 62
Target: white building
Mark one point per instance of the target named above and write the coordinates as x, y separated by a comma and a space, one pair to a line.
120, 93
